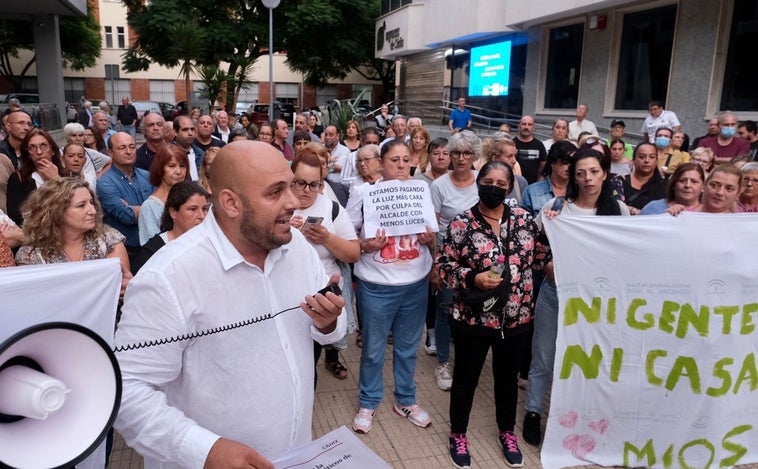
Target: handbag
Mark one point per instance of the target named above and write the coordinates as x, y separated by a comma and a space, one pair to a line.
483, 301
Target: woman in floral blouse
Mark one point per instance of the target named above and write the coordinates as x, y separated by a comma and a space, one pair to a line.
64, 223
474, 240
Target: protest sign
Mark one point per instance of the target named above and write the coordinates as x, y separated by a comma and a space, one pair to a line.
339, 448
399, 207
656, 352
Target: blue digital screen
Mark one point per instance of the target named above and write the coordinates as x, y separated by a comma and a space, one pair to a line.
489, 70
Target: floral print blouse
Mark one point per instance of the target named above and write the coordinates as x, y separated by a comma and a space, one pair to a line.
471, 247
93, 249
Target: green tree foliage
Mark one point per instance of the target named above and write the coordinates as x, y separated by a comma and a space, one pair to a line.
80, 45
230, 31
326, 39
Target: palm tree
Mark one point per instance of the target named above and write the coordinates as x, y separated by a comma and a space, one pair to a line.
186, 41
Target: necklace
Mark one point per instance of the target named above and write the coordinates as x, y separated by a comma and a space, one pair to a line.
78, 258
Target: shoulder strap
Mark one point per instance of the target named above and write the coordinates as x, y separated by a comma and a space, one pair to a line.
335, 210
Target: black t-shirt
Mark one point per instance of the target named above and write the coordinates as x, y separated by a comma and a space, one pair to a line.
215, 142
529, 156
127, 115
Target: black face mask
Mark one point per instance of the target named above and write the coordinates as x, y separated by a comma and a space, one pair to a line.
491, 196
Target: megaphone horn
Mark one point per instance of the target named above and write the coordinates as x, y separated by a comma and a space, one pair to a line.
60, 389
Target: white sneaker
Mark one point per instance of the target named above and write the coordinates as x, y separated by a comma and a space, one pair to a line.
430, 345
444, 376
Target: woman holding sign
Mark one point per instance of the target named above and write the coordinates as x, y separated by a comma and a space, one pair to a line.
392, 282
589, 192
487, 258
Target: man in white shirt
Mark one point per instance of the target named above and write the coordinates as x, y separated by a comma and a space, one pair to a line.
581, 124
658, 118
245, 395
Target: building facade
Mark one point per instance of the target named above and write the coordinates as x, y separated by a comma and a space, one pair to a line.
106, 81
612, 55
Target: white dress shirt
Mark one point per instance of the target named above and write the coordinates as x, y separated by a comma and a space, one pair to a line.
253, 384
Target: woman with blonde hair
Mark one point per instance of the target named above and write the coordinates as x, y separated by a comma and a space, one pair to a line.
205, 170
64, 223
419, 150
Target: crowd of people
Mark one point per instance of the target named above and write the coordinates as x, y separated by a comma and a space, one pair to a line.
483, 282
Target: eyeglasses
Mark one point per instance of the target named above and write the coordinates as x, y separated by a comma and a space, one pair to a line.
36, 148
458, 154
366, 160
265, 134
701, 161
301, 184
751, 181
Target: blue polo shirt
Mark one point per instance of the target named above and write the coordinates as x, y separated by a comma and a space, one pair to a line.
460, 118
115, 186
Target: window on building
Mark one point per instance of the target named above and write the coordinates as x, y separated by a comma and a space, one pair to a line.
73, 89
108, 37
326, 94
564, 63
739, 92
647, 40
388, 6
287, 93
121, 37
163, 91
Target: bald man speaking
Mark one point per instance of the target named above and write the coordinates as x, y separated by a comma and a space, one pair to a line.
240, 397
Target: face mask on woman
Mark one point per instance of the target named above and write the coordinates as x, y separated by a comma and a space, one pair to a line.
491, 196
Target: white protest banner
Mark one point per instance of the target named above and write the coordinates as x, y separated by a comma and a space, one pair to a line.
399, 207
656, 353
338, 448
84, 293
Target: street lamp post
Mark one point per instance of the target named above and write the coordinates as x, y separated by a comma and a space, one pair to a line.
270, 4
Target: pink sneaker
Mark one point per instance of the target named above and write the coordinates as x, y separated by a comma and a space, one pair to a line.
363, 420
414, 413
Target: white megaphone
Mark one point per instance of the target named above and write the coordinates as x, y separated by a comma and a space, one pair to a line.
60, 390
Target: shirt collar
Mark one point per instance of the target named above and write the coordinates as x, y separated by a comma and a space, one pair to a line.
228, 255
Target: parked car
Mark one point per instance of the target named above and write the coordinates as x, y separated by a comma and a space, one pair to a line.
259, 112
143, 107
23, 98
184, 108
167, 109
242, 106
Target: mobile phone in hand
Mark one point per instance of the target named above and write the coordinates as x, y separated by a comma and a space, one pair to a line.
311, 221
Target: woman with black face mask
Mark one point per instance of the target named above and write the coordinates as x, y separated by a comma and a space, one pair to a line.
477, 243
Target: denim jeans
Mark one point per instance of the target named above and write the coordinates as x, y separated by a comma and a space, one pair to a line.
444, 300
543, 346
130, 129
384, 308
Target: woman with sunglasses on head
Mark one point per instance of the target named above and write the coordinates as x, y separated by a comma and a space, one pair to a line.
40, 162
326, 225
555, 177
488, 234
589, 192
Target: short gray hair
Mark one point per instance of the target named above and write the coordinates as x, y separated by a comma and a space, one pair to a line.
752, 166
465, 140
72, 128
